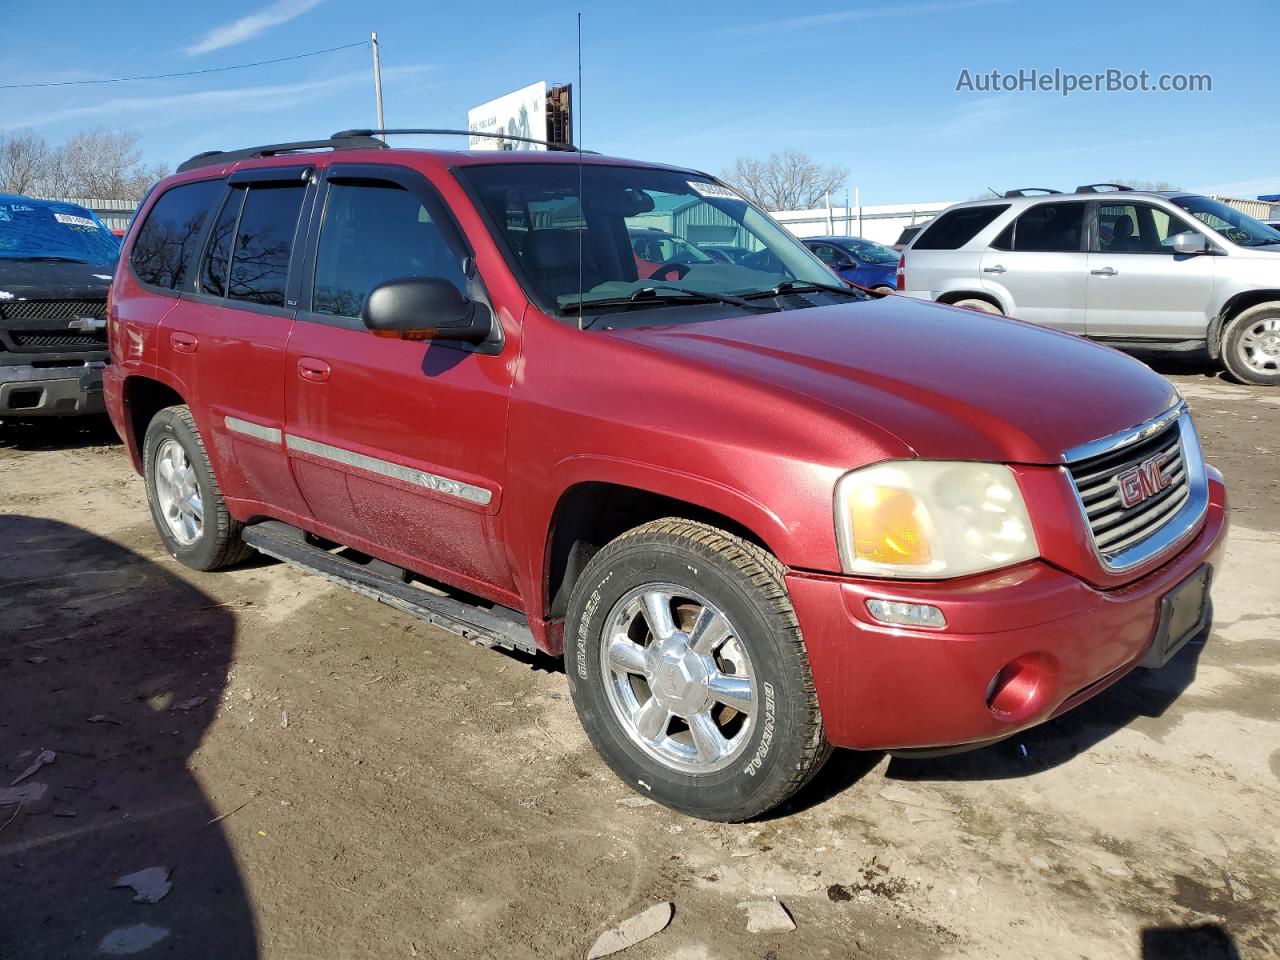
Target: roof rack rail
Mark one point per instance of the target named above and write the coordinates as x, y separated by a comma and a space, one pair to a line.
1111, 188
210, 157
403, 131
1027, 191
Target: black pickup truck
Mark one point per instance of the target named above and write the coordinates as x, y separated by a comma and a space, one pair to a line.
56, 263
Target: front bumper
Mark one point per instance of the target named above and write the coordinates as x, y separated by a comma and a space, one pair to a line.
884, 687
28, 391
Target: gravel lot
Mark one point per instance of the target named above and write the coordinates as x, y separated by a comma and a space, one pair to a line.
387, 790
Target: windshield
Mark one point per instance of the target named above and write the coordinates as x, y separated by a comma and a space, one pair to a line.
35, 230
638, 228
1239, 228
871, 252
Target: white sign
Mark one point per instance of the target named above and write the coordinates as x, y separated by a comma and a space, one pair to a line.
519, 114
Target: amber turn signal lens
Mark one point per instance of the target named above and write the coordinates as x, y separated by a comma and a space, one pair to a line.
887, 526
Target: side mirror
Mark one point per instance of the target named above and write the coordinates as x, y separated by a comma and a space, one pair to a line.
1190, 242
425, 308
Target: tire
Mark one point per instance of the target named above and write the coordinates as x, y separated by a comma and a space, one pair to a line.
771, 747
1251, 346
974, 303
215, 542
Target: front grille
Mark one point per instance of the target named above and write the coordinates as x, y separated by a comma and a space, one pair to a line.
1114, 526
51, 309
29, 339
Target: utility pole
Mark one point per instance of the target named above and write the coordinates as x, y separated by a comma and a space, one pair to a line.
377, 79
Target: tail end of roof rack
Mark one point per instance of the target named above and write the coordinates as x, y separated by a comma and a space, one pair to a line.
1028, 191
211, 157
1103, 188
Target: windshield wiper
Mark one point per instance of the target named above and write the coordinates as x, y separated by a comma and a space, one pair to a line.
795, 286
649, 297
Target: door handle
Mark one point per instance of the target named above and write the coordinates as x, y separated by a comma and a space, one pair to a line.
316, 371
1105, 272
998, 268
183, 342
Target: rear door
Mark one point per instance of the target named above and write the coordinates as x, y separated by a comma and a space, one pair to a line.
944, 257
227, 335
1138, 288
1037, 264
398, 444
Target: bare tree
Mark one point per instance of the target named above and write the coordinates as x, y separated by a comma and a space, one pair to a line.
785, 180
96, 164
22, 159
1146, 184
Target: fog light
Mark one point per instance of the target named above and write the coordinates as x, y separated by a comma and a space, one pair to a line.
906, 614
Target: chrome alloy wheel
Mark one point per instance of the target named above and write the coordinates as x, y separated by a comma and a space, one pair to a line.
178, 492
1259, 346
678, 678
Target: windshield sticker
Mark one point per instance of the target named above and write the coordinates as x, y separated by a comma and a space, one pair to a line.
5, 295
74, 221
6, 215
103, 276
713, 190
21, 208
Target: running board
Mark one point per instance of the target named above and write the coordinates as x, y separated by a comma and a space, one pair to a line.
499, 627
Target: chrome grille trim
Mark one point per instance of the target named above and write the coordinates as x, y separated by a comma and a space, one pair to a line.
1124, 537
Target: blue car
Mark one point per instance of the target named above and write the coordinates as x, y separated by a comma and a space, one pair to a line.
859, 261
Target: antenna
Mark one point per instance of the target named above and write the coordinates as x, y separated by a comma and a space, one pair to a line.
377, 78
582, 201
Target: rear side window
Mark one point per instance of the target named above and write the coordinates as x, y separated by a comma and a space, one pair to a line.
264, 243
166, 242
375, 231
213, 272
955, 228
1047, 228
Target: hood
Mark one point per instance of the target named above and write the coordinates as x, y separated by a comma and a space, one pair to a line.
53, 280
948, 383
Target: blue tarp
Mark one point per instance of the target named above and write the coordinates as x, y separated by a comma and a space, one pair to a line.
63, 231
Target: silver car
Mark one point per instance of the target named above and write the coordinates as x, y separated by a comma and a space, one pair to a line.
1138, 270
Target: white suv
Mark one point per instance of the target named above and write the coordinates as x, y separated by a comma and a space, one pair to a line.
1137, 270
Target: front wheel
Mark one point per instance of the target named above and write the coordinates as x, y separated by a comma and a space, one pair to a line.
1251, 346
689, 673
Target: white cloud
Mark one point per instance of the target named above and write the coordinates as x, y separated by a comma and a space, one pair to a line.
246, 28
202, 103
864, 13
979, 116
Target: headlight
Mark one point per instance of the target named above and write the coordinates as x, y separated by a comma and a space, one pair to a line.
931, 519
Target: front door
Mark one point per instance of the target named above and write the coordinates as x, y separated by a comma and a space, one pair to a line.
397, 444
1039, 262
1138, 287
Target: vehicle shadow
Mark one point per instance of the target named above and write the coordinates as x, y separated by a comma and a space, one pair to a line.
57, 433
1189, 364
111, 670
1204, 941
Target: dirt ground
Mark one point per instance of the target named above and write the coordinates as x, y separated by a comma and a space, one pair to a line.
386, 790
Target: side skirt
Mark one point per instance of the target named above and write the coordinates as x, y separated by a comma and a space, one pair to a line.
488, 627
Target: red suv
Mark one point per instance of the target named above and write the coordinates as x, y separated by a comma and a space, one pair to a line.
757, 512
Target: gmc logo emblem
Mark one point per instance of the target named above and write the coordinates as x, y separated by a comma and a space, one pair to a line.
1143, 481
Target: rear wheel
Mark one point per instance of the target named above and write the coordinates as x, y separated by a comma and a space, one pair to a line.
186, 504
1251, 346
974, 303
689, 673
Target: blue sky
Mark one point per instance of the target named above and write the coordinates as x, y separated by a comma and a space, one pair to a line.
868, 86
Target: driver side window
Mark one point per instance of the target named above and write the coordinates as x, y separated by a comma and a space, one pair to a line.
1136, 228
828, 254
375, 231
